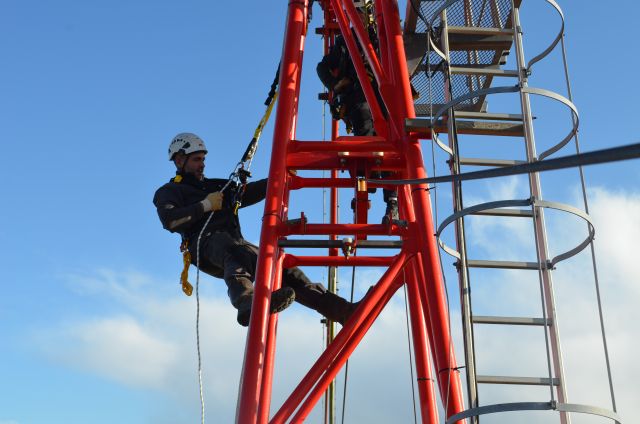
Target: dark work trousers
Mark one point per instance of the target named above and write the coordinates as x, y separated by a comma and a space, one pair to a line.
359, 114
237, 258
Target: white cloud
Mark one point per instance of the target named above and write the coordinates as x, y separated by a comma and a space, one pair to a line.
617, 220
119, 348
149, 342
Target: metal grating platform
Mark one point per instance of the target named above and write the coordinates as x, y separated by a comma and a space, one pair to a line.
475, 40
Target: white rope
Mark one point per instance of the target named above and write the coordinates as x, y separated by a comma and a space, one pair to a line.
229, 181
198, 301
198, 316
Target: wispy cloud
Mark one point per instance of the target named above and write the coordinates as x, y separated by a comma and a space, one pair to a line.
616, 216
119, 348
148, 339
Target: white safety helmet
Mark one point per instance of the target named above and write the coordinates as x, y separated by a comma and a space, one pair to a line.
186, 143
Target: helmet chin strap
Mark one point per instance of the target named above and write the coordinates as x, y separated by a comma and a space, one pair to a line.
184, 163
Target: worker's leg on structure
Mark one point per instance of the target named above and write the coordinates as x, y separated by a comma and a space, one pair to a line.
362, 122
391, 199
361, 119
237, 258
317, 297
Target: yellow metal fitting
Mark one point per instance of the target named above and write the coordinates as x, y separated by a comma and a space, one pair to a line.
362, 184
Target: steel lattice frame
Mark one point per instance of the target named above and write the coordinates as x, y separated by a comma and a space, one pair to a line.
418, 257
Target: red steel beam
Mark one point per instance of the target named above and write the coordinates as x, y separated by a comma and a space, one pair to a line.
379, 121
298, 183
270, 353
449, 382
358, 144
250, 383
365, 42
291, 261
336, 354
426, 292
344, 229
331, 160
424, 378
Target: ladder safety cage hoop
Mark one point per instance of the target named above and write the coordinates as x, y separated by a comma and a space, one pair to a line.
532, 202
494, 90
534, 406
516, 202
537, 58
477, 93
555, 42
511, 89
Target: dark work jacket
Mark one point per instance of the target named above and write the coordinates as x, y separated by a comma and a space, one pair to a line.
338, 62
337, 65
180, 210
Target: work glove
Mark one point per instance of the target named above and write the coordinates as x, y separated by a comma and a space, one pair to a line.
213, 202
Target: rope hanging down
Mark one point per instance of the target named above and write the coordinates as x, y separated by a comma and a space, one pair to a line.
239, 175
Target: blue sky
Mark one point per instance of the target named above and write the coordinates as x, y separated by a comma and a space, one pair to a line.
93, 326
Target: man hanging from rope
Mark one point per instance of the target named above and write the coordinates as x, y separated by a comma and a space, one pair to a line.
184, 205
338, 74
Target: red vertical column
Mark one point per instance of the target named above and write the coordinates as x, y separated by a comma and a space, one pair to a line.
250, 384
270, 353
449, 382
425, 381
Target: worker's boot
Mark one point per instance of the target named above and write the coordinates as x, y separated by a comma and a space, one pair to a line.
330, 305
335, 308
281, 299
391, 213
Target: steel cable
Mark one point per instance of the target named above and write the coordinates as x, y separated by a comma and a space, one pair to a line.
595, 157
406, 315
592, 247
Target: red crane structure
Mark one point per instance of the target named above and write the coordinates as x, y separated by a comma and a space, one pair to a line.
472, 38
393, 149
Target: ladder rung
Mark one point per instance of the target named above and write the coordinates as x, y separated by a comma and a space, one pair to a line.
488, 116
508, 129
425, 109
528, 381
490, 162
502, 264
523, 213
466, 42
479, 30
510, 320
487, 71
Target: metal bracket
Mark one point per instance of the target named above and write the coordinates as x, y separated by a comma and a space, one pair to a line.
348, 246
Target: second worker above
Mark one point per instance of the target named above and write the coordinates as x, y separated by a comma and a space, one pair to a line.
348, 101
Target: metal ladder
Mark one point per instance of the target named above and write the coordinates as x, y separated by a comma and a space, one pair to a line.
470, 41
